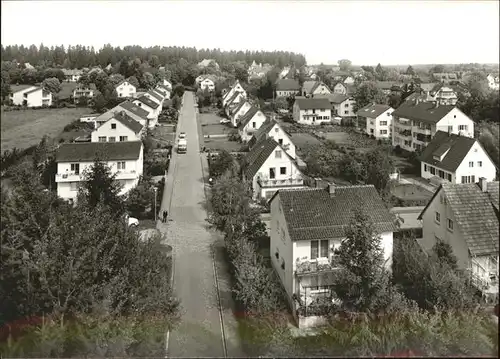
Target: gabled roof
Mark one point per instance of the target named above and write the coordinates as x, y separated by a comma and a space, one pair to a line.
232, 98
423, 111
247, 117
68, 72
91, 86
373, 110
127, 121
161, 91
133, 108
474, 213
19, 88
235, 110
313, 103
316, 85
148, 102
287, 85
264, 129
121, 82
308, 86
258, 155
33, 90
336, 98
387, 85
87, 151
155, 95
313, 214
457, 147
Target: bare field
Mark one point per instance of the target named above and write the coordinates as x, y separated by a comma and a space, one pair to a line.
25, 128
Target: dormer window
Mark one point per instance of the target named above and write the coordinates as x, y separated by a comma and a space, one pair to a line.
113, 126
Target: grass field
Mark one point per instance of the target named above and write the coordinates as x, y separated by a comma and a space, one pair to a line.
302, 140
210, 124
25, 128
408, 191
67, 90
218, 144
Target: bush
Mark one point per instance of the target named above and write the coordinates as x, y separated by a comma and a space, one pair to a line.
77, 125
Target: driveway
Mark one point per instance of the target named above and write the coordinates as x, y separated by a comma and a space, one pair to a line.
201, 328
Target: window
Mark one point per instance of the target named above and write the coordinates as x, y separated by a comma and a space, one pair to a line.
432, 170
438, 217
383, 123
280, 141
75, 167
319, 249
102, 138
441, 174
462, 127
254, 124
450, 225
272, 173
425, 168
277, 154
448, 177
282, 170
314, 249
346, 105
450, 128
383, 132
120, 165
112, 139
276, 129
346, 112
471, 164
113, 126
479, 163
123, 138
314, 111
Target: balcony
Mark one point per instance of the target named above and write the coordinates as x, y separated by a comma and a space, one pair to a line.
404, 122
305, 266
124, 174
404, 133
269, 183
74, 177
423, 130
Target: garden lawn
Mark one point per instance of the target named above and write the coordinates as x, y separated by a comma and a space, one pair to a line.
164, 135
219, 144
210, 125
67, 90
411, 192
25, 128
303, 140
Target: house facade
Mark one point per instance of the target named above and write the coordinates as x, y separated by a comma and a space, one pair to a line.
269, 168
239, 111
125, 89
31, 96
234, 101
287, 88
250, 122
307, 227
443, 94
376, 120
415, 123
456, 159
342, 105
312, 111
84, 91
134, 111
124, 158
207, 84
271, 129
119, 128
466, 217
236, 88
312, 88
72, 75
151, 107
493, 82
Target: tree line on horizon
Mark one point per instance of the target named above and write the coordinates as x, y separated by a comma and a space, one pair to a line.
80, 56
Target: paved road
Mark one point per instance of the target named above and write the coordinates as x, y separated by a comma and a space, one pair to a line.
199, 333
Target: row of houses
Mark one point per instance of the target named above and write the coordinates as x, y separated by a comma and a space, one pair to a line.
117, 139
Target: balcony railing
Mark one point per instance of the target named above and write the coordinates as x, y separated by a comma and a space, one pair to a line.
405, 133
306, 266
76, 177
280, 182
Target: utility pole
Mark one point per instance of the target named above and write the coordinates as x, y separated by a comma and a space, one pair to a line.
155, 189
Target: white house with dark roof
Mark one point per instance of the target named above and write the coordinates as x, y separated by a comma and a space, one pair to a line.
30, 96
343, 88
268, 168
250, 122
125, 89
152, 107
465, 215
376, 120
84, 91
456, 159
233, 101
207, 84
124, 158
342, 105
415, 123
444, 94
287, 88
167, 84
312, 111
271, 129
154, 96
235, 88
311, 88
118, 128
307, 226
137, 113
239, 111
162, 91
72, 75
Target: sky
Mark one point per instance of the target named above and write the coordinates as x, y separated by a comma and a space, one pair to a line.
365, 32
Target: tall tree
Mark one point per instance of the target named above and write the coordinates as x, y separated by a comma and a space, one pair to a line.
367, 93
410, 71
345, 64
52, 84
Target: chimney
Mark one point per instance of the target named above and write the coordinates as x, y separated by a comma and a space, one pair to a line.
483, 184
331, 189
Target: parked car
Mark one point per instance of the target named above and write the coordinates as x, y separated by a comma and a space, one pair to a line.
131, 221
182, 135
224, 121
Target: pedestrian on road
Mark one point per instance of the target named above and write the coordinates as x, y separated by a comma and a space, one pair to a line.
165, 214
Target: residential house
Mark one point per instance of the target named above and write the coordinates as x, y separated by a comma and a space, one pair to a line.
153, 108
493, 82
271, 129
443, 94
312, 111
465, 215
166, 84
349, 80
407, 222
30, 96
445, 77
269, 168
207, 84
307, 228
207, 62
376, 120
84, 91
416, 123
258, 71
125, 89
120, 127
137, 113
239, 111
342, 105
165, 91
236, 88
340, 75
388, 87
72, 75
90, 119
250, 122
233, 101
344, 89
124, 158
154, 96
284, 73
456, 159
312, 88
287, 88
